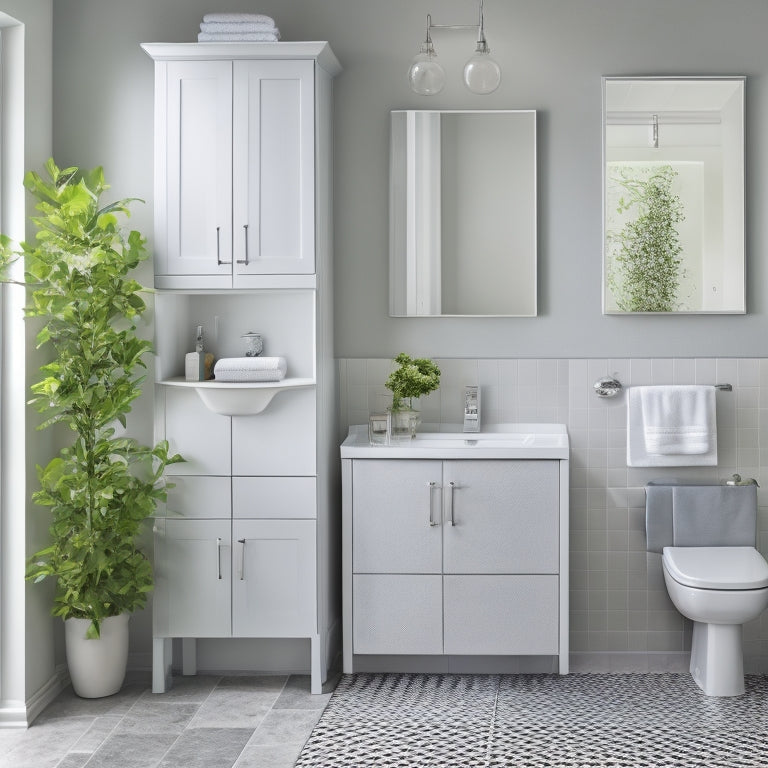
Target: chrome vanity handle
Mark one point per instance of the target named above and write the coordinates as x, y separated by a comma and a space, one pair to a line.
452, 486
245, 260
432, 487
242, 559
218, 248
218, 557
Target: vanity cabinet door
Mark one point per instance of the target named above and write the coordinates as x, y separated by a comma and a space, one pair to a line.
396, 518
273, 579
194, 184
192, 595
273, 171
505, 517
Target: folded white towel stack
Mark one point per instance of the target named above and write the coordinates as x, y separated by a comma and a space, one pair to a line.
251, 369
671, 426
228, 27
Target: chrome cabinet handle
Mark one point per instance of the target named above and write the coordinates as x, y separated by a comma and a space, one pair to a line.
432, 487
242, 560
218, 557
218, 248
245, 260
450, 503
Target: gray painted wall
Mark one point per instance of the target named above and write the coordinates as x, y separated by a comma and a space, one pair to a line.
552, 53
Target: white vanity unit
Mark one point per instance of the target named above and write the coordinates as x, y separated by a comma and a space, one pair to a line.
455, 545
245, 547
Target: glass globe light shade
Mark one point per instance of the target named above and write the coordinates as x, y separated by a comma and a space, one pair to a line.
481, 73
426, 75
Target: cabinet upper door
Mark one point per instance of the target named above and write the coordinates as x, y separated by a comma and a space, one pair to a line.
505, 517
194, 169
273, 170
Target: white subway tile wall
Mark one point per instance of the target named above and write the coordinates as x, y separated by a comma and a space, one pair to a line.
620, 613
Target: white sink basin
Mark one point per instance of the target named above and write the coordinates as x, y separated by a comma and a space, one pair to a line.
506, 441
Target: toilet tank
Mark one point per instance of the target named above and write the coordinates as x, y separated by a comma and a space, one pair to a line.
684, 514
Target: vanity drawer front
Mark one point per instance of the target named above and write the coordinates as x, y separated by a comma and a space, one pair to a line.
397, 614
199, 497
274, 497
501, 615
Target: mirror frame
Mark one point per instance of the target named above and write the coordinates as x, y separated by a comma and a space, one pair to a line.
739, 300
415, 214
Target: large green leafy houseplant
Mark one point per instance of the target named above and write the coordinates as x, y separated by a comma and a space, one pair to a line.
102, 486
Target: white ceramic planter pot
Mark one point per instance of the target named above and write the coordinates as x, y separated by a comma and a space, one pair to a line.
97, 666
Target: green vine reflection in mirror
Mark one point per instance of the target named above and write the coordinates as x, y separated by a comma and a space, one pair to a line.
644, 268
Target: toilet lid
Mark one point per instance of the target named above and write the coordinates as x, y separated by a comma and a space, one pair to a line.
717, 567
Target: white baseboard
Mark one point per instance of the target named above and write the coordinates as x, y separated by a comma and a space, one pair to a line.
23, 716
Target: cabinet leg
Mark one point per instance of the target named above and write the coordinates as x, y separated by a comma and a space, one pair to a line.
188, 656
162, 658
317, 672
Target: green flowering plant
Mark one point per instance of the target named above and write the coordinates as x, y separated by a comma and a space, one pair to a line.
103, 485
412, 378
646, 269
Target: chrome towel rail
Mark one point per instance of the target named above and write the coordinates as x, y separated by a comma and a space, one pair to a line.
609, 386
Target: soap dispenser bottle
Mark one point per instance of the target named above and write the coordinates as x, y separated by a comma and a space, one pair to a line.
194, 363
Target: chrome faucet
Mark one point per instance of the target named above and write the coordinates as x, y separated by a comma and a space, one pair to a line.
471, 409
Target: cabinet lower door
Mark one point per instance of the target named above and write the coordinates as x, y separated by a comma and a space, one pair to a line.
192, 578
397, 614
274, 578
501, 615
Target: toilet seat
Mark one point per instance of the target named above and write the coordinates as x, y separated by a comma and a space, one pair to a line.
722, 568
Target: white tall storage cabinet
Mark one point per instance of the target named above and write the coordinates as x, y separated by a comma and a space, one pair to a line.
246, 546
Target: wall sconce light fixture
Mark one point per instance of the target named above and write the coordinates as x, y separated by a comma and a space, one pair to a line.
481, 73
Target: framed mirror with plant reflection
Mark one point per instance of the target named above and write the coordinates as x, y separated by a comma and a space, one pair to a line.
673, 195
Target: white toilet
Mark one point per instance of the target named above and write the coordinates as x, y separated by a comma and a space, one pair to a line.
714, 574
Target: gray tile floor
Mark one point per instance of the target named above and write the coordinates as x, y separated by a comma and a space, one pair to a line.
202, 722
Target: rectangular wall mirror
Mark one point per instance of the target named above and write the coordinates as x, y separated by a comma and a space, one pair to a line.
462, 213
673, 195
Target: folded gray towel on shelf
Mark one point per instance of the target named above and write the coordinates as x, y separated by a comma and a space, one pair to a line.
256, 18
213, 27
230, 37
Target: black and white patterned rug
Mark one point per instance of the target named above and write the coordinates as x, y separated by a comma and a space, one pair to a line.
532, 721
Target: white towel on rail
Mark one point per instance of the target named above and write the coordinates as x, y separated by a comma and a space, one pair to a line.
671, 426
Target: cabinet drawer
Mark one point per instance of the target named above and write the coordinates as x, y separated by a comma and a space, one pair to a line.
397, 614
501, 614
274, 497
199, 497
